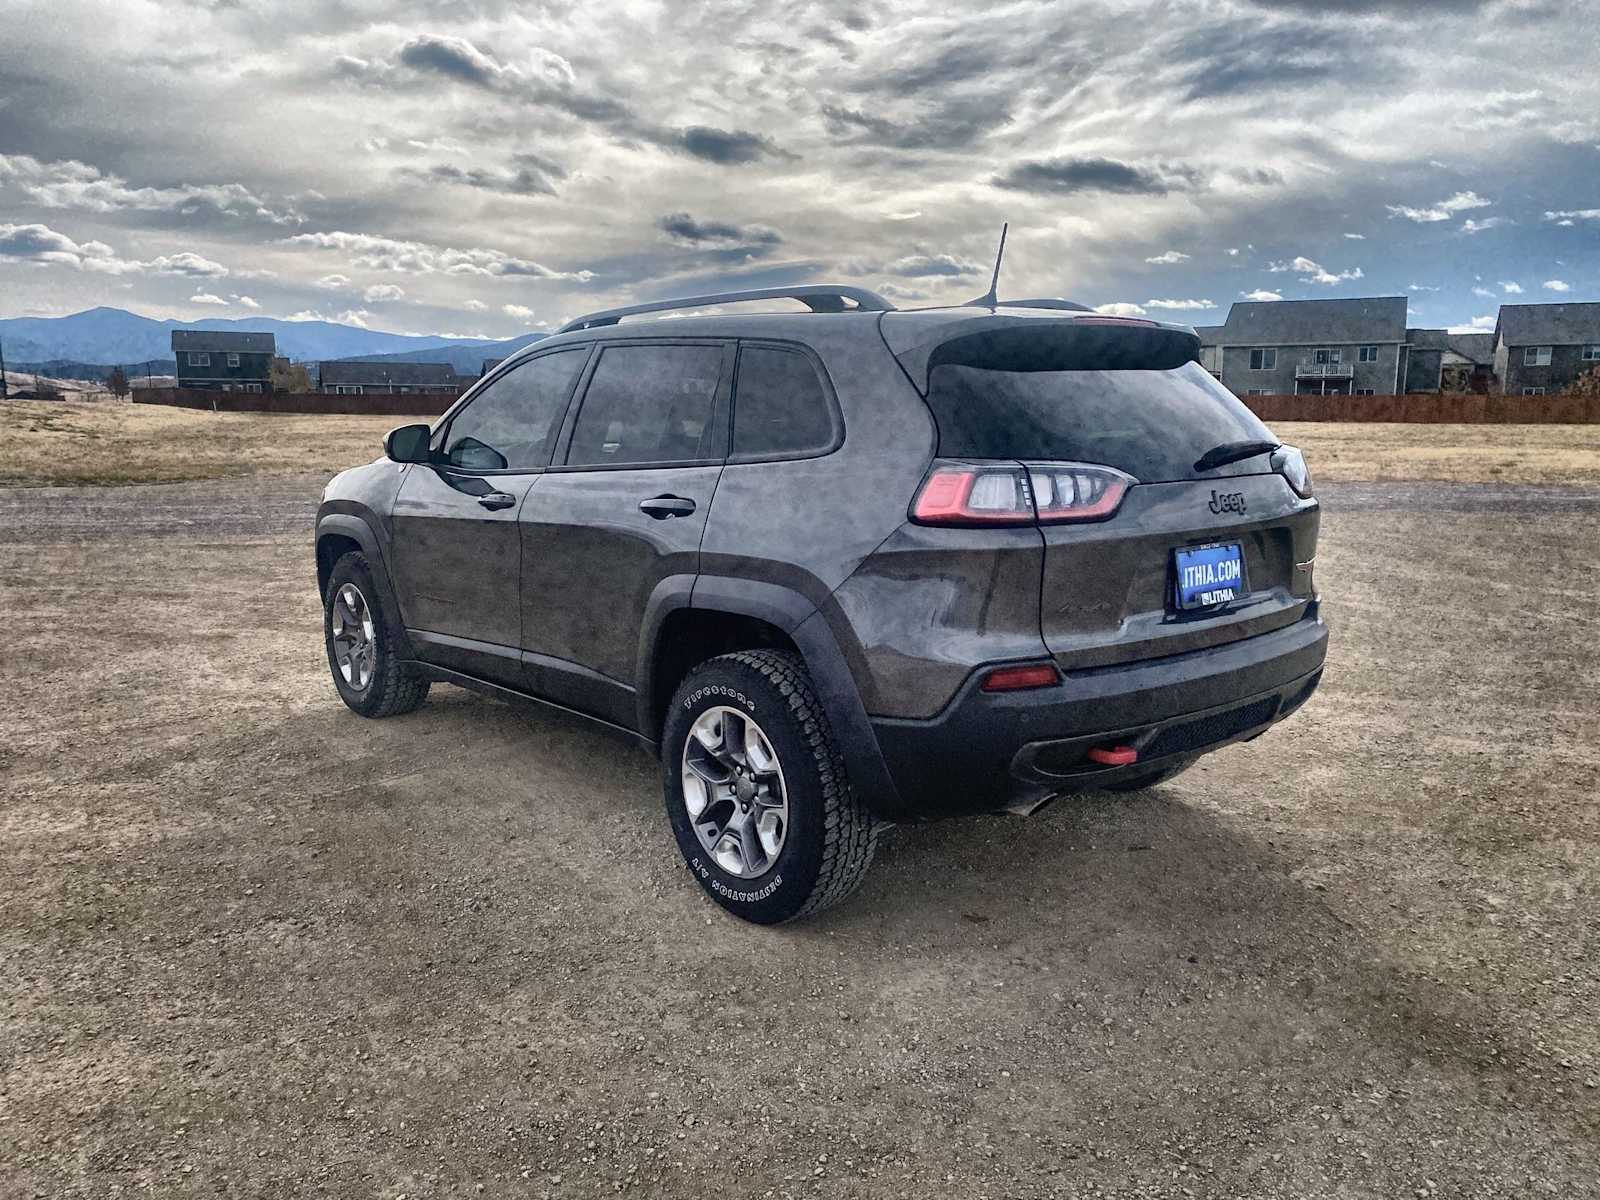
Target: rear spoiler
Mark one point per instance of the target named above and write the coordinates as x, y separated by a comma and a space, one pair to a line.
1002, 342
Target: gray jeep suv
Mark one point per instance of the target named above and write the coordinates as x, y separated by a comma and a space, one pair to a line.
841, 568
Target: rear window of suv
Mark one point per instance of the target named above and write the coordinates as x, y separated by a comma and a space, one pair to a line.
1152, 424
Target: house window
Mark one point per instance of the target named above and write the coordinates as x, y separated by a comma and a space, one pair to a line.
233, 360
1536, 356
1329, 356
347, 389
1264, 360
1256, 392
1366, 391
1591, 352
1533, 391
199, 360
1368, 354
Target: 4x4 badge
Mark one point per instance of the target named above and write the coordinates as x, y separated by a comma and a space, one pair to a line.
1222, 502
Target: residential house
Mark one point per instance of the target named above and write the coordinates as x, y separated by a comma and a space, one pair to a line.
1542, 348
406, 378
1441, 361
1310, 347
216, 361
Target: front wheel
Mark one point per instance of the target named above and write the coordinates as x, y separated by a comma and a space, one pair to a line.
756, 790
364, 644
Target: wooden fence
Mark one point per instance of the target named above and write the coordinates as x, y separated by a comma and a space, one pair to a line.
1466, 408
1463, 407
387, 404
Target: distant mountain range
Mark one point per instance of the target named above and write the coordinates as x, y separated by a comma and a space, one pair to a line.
108, 336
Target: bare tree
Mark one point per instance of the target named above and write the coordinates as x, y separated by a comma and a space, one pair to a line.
117, 383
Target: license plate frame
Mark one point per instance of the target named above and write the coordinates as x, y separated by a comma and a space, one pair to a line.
1217, 585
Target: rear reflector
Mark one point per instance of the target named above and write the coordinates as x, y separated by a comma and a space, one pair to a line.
1113, 756
1020, 679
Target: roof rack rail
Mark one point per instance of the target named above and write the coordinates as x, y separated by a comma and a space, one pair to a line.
818, 297
1037, 302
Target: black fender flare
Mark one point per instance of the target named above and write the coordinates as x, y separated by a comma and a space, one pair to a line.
355, 527
790, 611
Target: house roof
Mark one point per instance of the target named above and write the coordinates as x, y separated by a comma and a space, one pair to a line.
1479, 347
1428, 339
1548, 324
1315, 322
389, 375
223, 341
1209, 334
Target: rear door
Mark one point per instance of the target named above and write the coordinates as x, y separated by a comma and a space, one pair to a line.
457, 550
623, 509
1193, 557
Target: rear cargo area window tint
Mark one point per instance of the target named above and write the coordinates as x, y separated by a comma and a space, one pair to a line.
1152, 424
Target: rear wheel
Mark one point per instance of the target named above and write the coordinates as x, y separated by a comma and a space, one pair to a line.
364, 644
756, 790
1150, 778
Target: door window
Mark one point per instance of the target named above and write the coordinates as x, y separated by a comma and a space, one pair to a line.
779, 407
512, 422
648, 404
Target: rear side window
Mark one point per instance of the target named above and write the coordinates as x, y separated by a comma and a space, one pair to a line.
510, 424
779, 406
648, 404
1151, 424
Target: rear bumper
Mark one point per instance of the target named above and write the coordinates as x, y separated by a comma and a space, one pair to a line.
989, 751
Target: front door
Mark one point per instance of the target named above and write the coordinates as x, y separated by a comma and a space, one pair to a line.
457, 551
624, 508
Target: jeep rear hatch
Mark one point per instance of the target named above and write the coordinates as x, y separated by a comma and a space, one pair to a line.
1026, 409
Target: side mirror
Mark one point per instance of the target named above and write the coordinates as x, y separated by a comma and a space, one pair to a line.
408, 444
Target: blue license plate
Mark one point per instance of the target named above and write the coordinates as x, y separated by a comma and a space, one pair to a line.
1210, 575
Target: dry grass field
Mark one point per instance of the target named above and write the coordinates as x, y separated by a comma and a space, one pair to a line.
75, 443
64, 443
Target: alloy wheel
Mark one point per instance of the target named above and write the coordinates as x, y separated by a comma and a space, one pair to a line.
733, 788
355, 641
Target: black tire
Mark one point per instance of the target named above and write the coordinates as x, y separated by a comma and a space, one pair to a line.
830, 837
392, 687
1150, 778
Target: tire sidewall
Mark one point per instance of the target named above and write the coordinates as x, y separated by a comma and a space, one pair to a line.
352, 568
782, 890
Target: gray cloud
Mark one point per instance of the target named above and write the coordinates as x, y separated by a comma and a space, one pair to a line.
452, 57
530, 175
724, 146
1067, 175
685, 228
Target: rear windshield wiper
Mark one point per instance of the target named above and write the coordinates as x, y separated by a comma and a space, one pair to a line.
1230, 452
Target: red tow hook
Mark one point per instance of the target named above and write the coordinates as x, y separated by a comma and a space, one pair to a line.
1113, 756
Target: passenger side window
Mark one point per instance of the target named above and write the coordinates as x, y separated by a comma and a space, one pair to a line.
511, 423
779, 406
647, 404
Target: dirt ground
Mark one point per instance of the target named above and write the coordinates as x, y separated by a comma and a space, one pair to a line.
251, 944
45, 443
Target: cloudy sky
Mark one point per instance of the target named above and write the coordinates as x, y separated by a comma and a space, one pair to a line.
479, 167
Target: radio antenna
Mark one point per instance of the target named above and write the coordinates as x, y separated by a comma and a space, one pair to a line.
992, 298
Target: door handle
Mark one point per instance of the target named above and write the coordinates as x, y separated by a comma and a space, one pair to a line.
662, 507
497, 500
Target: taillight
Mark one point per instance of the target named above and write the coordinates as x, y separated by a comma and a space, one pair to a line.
967, 494
1018, 494
1077, 491
1291, 464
